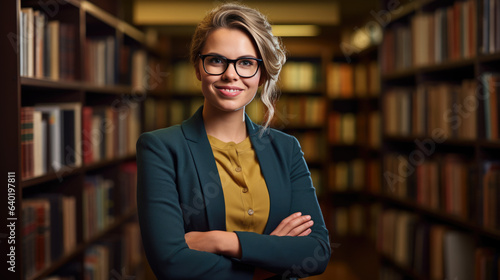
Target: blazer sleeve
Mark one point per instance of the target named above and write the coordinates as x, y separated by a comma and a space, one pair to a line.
162, 225
299, 256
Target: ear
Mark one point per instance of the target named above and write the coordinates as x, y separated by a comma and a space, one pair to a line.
197, 70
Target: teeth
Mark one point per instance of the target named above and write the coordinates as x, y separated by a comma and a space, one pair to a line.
232, 90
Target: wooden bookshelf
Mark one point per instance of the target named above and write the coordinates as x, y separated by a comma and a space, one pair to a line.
29, 83
464, 57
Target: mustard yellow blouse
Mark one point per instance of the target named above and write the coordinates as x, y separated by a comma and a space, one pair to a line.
245, 191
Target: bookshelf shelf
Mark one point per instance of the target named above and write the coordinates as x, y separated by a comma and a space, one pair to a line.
316, 92
65, 171
112, 21
400, 75
456, 65
495, 57
107, 162
110, 89
450, 142
55, 114
50, 83
460, 70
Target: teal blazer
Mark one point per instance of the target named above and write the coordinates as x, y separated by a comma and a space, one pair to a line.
179, 190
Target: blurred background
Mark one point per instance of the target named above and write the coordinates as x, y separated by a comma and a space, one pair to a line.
395, 104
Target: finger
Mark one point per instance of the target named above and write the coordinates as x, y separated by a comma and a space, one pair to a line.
295, 223
301, 228
284, 222
305, 232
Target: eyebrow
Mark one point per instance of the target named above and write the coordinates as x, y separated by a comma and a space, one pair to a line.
243, 56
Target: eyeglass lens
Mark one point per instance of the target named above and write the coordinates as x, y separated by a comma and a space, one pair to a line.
216, 65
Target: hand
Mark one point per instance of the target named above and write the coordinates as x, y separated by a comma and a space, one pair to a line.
215, 241
294, 225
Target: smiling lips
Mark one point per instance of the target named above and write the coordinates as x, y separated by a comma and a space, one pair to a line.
229, 91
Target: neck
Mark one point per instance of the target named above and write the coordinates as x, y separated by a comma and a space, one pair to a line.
225, 126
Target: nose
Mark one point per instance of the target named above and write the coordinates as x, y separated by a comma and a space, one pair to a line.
230, 73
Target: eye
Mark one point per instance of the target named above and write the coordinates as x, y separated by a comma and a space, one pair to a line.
215, 60
246, 62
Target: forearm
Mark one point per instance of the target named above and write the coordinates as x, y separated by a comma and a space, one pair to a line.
215, 241
299, 256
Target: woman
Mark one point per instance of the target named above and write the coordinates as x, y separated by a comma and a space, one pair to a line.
218, 196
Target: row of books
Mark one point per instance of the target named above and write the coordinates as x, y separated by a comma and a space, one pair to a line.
351, 128
155, 114
449, 33
491, 95
127, 182
356, 219
355, 175
441, 182
318, 182
256, 110
46, 48
490, 26
179, 110
349, 80
448, 109
183, 78
54, 136
489, 195
110, 131
293, 111
50, 138
97, 205
302, 76
104, 199
313, 145
49, 230
107, 63
446, 183
115, 257
434, 251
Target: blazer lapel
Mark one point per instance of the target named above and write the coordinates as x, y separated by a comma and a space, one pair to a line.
262, 143
194, 131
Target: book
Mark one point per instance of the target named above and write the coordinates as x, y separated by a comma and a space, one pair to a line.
458, 255
27, 131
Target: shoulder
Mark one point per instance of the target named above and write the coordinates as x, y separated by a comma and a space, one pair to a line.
281, 141
282, 138
167, 136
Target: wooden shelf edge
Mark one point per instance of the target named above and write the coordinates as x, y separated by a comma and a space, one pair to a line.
107, 162
412, 139
111, 20
50, 83
423, 69
67, 171
64, 172
75, 85
490, 57
81, 247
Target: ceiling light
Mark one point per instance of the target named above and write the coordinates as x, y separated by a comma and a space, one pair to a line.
296, 30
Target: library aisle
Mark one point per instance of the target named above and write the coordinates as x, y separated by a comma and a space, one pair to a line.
395, 105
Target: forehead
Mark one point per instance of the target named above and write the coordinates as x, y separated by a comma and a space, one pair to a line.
231, 43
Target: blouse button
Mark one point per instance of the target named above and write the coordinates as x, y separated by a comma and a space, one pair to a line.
238, 169
250, 211
244, 190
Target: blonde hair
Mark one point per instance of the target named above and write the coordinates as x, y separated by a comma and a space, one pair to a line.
255, 24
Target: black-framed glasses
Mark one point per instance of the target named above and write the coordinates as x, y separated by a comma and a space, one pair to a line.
246, 67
